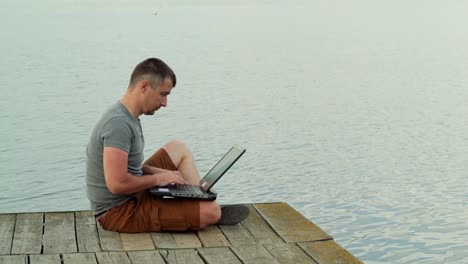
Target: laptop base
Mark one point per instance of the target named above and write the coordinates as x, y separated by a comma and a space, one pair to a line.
206, 196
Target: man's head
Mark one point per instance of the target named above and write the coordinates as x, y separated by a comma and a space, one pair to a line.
152, 80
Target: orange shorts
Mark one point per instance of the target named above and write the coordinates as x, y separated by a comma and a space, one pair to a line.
146, 213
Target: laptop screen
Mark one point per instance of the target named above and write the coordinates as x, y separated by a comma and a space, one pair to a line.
221, 167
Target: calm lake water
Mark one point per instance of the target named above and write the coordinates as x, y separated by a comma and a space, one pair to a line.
353, 112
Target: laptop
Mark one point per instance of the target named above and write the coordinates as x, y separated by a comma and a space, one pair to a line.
204, 191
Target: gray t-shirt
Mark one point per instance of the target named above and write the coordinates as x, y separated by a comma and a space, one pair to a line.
116, 128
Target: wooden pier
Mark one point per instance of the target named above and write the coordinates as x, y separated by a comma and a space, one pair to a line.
273, 233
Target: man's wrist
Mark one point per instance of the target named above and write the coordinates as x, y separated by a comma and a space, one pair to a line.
156, 180
153, 170
148, 169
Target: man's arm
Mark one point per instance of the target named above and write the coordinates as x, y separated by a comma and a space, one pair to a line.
119, 181
152, 170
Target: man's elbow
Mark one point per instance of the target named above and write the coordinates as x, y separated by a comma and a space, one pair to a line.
117, 182
115, 189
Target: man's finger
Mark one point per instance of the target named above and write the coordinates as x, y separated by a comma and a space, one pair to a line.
182, 180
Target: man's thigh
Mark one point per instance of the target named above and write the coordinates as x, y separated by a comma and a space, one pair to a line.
161, 159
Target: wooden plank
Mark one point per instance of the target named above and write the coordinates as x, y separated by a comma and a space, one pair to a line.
254, 254
45, 259
79, 258
186, 240
213, 237
163, 240
112, 258
328, 252
259, 229
136, 241
28, 234
218, 255
110, 241
181, 256
288, 253
16, 259
238, 235
7, 226
59, 233
290, 224
144, 257
86, 232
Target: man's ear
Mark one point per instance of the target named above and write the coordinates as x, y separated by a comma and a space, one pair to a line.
144, 85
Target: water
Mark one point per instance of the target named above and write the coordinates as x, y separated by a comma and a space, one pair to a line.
353, 113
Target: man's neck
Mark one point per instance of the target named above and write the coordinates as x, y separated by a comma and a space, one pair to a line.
131, 106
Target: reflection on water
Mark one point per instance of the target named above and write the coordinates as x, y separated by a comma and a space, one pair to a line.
352, 113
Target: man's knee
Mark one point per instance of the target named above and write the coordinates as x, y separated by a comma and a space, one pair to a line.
210, 213
175, 145
177, 151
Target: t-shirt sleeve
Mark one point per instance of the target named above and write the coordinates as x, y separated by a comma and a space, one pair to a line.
118, 134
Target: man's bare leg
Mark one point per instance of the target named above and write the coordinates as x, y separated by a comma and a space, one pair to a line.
210, 211
182, 158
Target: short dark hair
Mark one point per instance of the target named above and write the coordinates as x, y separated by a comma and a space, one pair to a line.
154, 69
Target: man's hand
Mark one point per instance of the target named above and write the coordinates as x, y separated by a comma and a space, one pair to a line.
164, 178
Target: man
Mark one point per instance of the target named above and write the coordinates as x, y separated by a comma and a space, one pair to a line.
117, 179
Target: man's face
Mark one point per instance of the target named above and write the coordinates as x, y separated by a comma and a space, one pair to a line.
156, 97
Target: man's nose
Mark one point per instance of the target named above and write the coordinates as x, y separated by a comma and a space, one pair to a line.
164, 102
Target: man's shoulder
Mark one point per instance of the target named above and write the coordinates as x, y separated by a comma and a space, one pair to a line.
117, 124
113, 111
114, 115
112, 121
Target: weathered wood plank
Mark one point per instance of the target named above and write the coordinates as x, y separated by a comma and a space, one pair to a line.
269, 225
79, 258
288, 253
237, 235
16, 259
59, 233
186, 240
28, 234
218, 255
145, 257
7, 226
254, 254
137, 241
112, 258
45, 259
260, 230
110, 241
86, 232
328, 252
213, 237
163, 240
181, 256
290, 224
